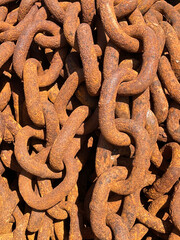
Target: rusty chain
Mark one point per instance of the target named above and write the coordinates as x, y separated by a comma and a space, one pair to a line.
90, 120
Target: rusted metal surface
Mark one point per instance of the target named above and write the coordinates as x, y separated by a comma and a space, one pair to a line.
89, 120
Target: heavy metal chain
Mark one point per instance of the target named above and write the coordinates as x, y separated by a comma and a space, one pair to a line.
89, 119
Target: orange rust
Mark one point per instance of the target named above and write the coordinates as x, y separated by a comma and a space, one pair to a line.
89, 119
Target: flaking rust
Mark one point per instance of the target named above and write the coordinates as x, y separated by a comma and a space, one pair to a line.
89, 120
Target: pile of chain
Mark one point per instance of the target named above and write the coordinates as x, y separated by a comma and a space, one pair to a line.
89, 120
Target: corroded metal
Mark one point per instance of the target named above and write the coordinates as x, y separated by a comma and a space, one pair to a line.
89, 120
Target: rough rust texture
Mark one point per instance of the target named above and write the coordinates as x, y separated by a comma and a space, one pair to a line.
89, 120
